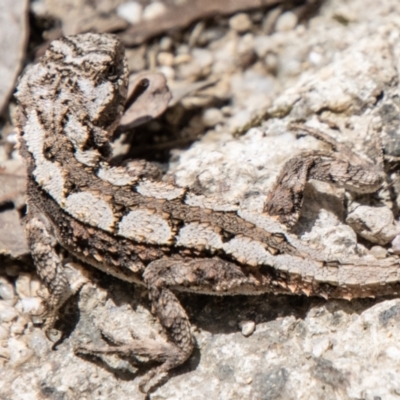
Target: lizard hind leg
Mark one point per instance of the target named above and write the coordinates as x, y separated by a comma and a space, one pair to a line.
162, 277
205, 275
165, 305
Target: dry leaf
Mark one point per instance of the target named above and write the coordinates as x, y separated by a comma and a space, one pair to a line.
182, 15
12, 236
13, 34
148, 97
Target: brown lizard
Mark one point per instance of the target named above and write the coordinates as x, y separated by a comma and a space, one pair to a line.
131, 224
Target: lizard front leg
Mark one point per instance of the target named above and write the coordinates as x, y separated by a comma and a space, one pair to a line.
162, 277
50, 269
343, 168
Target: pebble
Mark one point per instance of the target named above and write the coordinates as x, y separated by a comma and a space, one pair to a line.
344, 14
396, 245
247, 327
165, 58
12, 138
246, 43
39, 343
240, 119
7, 312
271, 62
226, 111
315, 58
183, 49
154, 10
32, 305
130, 11
166, 43
210, 35
35, 286
3, 333
168, 72
4, 353
182, 59
18, 327
262, 45
6, 289
202, 57
240, 22
321, 346
19, 352
378, 252
23, 285
375, 224
286, 22
212, 117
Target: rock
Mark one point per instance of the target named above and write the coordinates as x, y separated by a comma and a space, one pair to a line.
320, 346
6, 289
130, 11
212, 117
39, 343
378, 252
35, 286
18, 327
262, 45
4, 333
19, 352
166, 43
23, 285
303, 348
7, 312
202, 57
396, 244
286, 21
271, 62
165, 58
375, 224
4, 354
168, 72
240, 22
247, 327
32, 305
154, 10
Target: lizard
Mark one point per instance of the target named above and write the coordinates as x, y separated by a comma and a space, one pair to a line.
130, 223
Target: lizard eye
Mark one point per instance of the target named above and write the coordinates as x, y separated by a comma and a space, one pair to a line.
111, 73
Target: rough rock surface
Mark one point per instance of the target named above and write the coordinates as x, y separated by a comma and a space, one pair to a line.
342, 67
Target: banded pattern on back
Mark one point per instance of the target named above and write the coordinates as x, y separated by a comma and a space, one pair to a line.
67, 145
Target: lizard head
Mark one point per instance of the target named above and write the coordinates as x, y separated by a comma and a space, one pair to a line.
79, 86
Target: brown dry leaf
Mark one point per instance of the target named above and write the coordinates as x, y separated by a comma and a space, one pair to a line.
12, 190
13, 34
12, 236
183, 15
183, 89
79, 16
148, 97
12, 183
